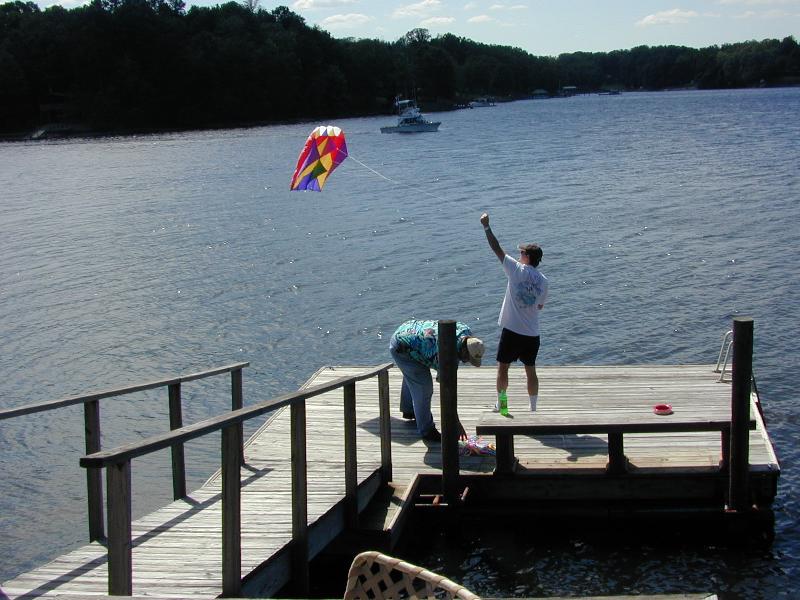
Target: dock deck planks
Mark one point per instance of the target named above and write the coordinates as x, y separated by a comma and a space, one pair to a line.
177, 549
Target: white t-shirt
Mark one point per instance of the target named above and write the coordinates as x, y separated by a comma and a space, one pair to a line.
525, 294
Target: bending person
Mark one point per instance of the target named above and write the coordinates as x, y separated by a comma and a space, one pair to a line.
415, 351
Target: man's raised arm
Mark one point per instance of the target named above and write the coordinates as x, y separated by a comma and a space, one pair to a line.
493, 243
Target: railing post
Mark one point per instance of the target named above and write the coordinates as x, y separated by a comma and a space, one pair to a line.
176, 422
94, 477
231, 513
300, 575
350, 457
448, 394
120, 560
741, 376
385, 426
237, 402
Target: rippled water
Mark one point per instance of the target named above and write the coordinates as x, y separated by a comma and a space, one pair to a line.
128, 259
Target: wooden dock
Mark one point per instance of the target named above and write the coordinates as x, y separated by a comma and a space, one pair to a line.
177, 552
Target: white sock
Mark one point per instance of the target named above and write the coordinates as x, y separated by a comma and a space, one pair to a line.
534, 400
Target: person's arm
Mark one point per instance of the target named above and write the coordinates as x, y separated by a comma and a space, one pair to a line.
493, 243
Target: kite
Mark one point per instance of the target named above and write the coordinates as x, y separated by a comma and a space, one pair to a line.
325, 150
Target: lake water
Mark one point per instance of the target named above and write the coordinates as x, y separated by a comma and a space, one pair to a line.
661, 216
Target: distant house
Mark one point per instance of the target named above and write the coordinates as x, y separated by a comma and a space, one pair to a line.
567, 91
540, 94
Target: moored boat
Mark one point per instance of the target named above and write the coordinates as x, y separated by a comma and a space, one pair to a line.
410, 120
481, 103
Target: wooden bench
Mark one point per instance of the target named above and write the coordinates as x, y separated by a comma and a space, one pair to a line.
615, 423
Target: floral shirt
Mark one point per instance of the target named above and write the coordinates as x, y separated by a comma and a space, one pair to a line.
418, 340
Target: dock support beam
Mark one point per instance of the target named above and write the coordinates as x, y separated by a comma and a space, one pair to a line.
231, 513
94, 477
120, 546
237, 402
448, 394
386, 426
742, 374
178, 462
350, 457
300, 574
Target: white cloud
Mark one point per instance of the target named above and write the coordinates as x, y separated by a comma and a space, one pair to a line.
312, 4
433, 21
480, 19
774, 13
420, 9
345, 21
508, 7
470, 6
668, 17
759, 2
68, 4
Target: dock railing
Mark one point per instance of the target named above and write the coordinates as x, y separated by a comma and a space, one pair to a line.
91, 413
117, 463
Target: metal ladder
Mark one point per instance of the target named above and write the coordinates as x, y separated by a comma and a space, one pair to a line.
724, 356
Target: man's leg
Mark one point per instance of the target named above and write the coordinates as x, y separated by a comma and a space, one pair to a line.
419, 382
406, 406
502, 376
533, 380
533, 385
529, 360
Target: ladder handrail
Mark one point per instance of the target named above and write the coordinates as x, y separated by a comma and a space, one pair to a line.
724, 355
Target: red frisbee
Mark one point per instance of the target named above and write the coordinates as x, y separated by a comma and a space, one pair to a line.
663, 409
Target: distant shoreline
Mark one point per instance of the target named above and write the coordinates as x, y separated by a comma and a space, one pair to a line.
71, 131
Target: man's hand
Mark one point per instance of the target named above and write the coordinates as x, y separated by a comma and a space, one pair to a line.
462, 434
485, 219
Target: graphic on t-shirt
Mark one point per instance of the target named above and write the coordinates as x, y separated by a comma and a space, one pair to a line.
526, 294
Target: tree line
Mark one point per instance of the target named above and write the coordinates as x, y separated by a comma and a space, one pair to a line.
143, 65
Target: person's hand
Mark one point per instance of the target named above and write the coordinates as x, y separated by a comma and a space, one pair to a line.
485, 219
462, 434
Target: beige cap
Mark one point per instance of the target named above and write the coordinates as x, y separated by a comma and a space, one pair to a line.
475, 348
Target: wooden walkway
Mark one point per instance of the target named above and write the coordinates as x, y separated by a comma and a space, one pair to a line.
177, 550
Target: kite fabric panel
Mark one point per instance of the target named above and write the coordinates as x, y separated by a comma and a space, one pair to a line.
325, 150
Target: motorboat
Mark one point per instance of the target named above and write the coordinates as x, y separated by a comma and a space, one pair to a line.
481, 103
410, 120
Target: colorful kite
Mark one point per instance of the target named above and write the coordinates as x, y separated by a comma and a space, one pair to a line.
325, 150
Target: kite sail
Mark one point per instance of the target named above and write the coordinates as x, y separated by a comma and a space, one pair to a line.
325, 150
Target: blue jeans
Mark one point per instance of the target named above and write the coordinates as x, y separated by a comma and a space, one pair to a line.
417, 390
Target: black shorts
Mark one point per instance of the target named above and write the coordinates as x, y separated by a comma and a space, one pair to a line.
514, 346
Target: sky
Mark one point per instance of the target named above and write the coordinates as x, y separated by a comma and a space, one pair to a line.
548, 27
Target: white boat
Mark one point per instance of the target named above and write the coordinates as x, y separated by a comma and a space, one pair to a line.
410, 120
481, 103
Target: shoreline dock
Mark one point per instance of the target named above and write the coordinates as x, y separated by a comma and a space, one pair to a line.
178, 551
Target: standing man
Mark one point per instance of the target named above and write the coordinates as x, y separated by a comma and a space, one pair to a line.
526, 293
415, 351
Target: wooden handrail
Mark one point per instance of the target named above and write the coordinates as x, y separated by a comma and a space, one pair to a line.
53, 404
117, 462
91, 408
158, 442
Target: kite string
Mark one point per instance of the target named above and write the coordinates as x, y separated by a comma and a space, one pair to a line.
382, 176
351, 157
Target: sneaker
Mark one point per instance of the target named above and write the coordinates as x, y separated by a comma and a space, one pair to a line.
496, 407
432, 435
409, 416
